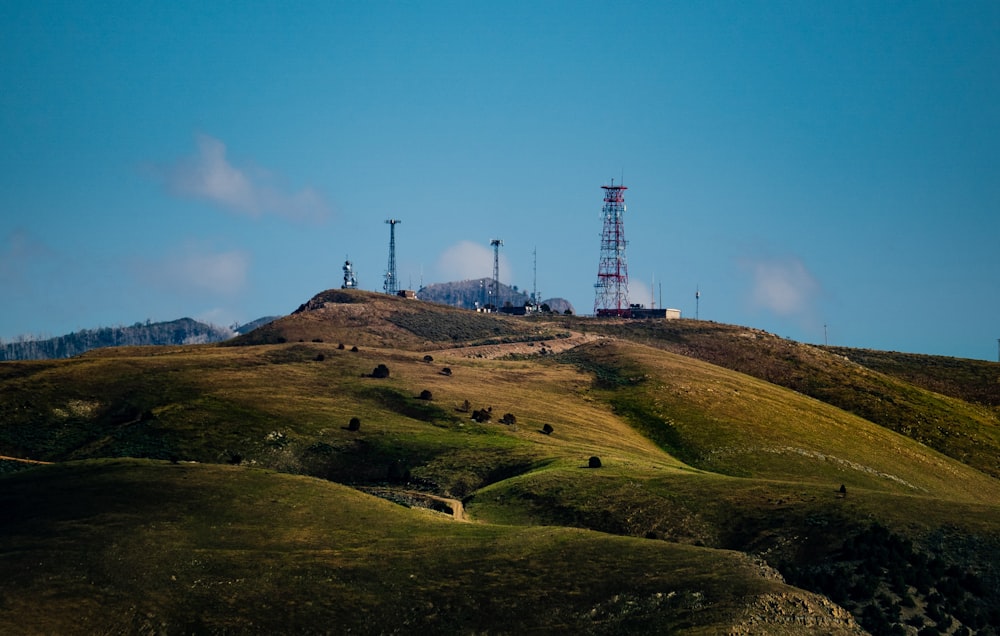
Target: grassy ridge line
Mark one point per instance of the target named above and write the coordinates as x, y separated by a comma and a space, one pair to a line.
967, 432
734, 424
134, 546
279, 407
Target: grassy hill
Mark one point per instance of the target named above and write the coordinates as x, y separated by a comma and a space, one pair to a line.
743, 487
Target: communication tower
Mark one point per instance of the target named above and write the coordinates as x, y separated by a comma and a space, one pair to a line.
350, 282
611, 298
391, 286
495, 290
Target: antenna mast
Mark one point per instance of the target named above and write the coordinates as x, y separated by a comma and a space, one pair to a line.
350, 281
611, 298
391, 286
495, 291
697, 301
534, 276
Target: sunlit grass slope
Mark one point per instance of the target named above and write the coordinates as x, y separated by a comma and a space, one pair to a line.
707, 451
127, 546
961, 421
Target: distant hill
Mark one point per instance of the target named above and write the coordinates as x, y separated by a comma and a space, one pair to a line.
621, 476
184, 331
468, 293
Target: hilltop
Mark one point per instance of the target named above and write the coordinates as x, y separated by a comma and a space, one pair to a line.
367, 451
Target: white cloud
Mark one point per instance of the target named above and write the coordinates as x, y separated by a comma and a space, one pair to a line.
467, 261
784, 287
193, 269
208, 175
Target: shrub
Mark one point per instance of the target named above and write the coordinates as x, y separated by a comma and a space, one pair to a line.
340, 346
446, 371
381, 371
508, 418
547, 429
428, 358
319, 357
465, 407
481, 416
398, 472
354, 424
354, 349
425, 395
595, 462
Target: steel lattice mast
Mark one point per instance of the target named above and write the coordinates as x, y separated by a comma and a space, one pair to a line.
611, 298
391, 286
495, 291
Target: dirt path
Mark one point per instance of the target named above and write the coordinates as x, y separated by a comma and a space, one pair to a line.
417, 499
543, 347
22, 460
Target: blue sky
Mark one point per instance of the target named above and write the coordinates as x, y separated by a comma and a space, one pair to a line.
822, 170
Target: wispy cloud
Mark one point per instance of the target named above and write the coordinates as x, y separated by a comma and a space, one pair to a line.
467, 260
210, 176
193, 269
783, 286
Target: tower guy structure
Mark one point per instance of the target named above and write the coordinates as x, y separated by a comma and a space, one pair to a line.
611, 297
495, 285
391, 285
350, 280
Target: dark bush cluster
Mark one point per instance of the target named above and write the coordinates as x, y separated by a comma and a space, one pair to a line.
482, 415
425, 395
876, 561
381, 371
547, 429
508, 418
354, 424
594, 462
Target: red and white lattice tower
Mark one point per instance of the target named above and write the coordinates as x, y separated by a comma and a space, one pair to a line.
611, 288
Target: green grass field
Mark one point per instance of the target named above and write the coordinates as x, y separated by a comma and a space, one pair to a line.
743, 486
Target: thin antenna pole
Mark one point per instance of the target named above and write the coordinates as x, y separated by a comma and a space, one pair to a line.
534, 276
697, 300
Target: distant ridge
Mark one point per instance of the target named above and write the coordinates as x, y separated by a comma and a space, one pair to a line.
467, 293
183, 331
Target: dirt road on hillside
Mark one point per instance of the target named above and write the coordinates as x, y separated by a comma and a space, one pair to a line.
542, 347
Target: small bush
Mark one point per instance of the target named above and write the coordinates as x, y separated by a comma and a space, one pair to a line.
482, 416
354, 349
340, 346
465, 407
354, 424
381, 371
547, 429
428, 358
446, 371
425, 395
508, 418
595, 462
319, 357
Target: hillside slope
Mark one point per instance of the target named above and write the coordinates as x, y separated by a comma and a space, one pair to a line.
330, 559
713, 484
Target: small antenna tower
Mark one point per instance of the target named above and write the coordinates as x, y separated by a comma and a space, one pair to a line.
391, 286
611, 297
350, 281
534, 276
697, 301
495, 287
